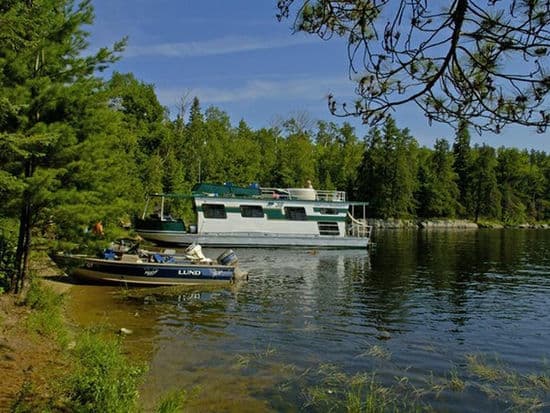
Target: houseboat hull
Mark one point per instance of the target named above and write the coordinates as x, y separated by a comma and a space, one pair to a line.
254, 240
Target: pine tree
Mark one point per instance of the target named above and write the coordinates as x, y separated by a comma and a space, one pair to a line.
46, 89
195, 143
463, 166
388, 172
438, 191
486, 196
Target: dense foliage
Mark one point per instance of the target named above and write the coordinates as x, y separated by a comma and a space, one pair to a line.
76, 148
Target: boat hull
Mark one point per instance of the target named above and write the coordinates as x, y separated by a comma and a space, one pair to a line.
109, 271
254, 240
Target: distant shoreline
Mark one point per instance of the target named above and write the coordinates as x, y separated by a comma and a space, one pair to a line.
458, 224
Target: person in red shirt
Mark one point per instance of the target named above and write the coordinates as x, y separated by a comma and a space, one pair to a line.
98, 228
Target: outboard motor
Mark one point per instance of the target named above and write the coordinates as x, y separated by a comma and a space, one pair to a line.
194, 252
228, 257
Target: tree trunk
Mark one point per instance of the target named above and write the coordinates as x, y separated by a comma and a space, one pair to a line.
24, 239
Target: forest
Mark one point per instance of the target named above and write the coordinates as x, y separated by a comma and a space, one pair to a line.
77, 146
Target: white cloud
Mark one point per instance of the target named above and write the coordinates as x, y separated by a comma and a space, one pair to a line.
225, 45
305, 88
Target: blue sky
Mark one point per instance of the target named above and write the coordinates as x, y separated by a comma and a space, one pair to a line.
236, 56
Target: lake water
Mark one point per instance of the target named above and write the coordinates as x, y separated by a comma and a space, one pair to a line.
450, 321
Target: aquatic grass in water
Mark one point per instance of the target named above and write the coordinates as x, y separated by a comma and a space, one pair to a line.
173, 402
455, 382
538, 381
243, 361
363, 392
366, 395
379, 352
478, 367
522, 392
358, 393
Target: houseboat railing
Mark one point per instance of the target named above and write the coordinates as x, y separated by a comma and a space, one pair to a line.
359, 229
335, 196
290, 193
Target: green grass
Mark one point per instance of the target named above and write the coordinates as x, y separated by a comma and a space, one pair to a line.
26, 402
46, 319
103, 379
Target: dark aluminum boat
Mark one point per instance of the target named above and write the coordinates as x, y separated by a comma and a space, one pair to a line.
154, 268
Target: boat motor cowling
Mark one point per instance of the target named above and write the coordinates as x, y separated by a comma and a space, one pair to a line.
228, 257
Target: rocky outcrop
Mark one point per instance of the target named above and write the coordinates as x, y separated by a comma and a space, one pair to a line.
392, 223
491, 225
447, 224
423, 224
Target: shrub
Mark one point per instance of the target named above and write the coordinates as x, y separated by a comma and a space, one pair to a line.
47, 317
104, 380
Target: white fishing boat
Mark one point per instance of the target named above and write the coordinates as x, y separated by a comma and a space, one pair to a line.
232, 216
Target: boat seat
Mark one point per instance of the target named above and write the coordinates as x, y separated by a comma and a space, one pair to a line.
162, 258
130, 258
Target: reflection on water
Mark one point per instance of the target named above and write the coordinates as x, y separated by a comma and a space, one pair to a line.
418, 305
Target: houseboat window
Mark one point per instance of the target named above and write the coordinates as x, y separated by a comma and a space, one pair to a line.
328, 228
328, 211
214, 211
295, 213
252, 211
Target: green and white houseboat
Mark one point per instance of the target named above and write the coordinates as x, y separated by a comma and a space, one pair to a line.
232, 216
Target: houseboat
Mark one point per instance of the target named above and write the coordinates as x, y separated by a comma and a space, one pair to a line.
233, 216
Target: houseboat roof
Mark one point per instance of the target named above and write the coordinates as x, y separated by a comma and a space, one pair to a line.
228, 190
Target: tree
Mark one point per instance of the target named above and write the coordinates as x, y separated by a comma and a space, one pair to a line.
296, 162
339, 154
270, 143
438, 190
387, 174
522, 183
46, 88
195, 142
146, 120
216, 151
512, 174
463, 166
243, 156
482, 61
540, 162
485, 193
